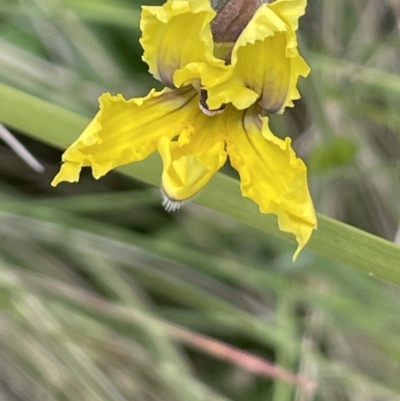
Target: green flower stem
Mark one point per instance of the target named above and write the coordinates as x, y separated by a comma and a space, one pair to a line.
337, 241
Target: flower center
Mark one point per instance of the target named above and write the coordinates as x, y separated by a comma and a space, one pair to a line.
204, 107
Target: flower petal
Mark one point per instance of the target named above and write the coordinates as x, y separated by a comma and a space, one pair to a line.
271, 174
191, 160
177, 39
289, 11
125, 131
265, 62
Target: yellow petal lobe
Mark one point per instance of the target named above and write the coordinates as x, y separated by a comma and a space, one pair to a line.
191, 160
289, 11
265, 63
271, 174
125, 131
178, 43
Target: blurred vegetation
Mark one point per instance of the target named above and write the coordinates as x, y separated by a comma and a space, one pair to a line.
104, 296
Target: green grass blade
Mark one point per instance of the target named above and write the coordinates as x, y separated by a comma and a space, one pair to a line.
337, 241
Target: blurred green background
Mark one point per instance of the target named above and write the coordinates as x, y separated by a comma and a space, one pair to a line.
105, 297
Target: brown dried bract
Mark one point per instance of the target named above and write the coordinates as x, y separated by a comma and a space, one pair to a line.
232, 18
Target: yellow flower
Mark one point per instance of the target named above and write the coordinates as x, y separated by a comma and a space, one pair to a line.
194, 142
